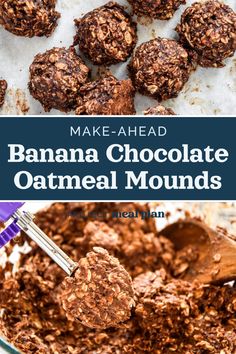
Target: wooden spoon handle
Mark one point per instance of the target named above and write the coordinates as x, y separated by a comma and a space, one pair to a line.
221, 264
217, 251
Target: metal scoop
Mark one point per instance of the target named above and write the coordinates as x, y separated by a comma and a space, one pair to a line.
24, 221
216, 261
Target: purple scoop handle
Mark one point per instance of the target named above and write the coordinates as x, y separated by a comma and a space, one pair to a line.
9, 233
7, 209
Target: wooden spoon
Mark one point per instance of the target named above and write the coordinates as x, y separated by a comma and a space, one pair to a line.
216, 262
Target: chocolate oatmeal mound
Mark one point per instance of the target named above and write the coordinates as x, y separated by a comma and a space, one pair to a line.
29, 17
3, 89
107, 96
100, 293
55, 78
159, 111
106, 35
156, 9
160, 68
185, 317
209, 30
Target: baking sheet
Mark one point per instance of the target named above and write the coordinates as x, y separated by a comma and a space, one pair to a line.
208, 92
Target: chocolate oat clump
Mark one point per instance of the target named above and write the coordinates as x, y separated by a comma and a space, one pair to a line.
159, 110
156, 9
160, 68
3, 89
100, 293
99, 234
209, 30
55, 78
106, 35
29, 17
185, 314
107, 96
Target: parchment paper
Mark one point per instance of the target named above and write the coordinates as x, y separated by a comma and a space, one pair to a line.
208, 92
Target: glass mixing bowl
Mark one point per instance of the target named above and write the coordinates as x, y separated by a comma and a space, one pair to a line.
6, 348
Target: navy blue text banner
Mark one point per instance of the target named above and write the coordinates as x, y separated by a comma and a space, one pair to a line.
70, 158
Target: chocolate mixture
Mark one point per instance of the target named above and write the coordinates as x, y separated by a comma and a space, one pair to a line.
160, 68
158, 9
209, 30
29, 17
159, 110
107, 96
170, 316
3, 89
190, 317
99, 234
100, 292
55, 78
106, 35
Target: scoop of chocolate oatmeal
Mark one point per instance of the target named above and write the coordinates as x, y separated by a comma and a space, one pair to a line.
55, 78
158, 9
106, 35
159, 111
3, 89
209, 29
107, 96
160, 68
29, 17
100, 293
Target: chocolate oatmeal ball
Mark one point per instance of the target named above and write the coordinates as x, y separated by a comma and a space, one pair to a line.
209, 29
55, 78
3, 89
159, 110
107, 96
106, 35
100, 293
29, 17
160, 68
156, 9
